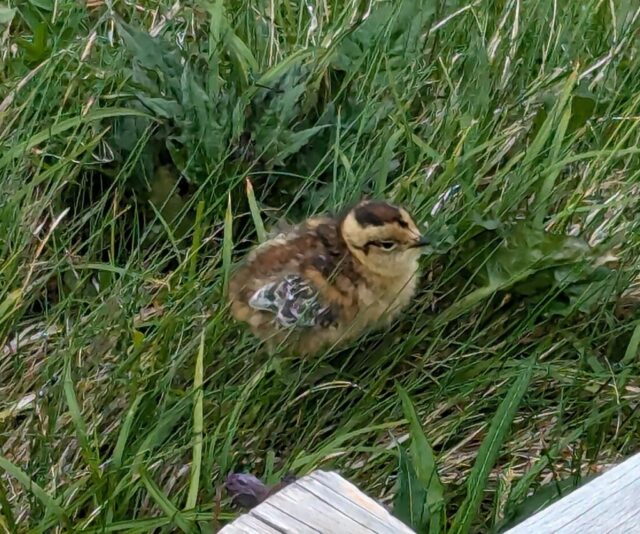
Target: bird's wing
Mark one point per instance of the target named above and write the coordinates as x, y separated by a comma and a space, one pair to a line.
293, 301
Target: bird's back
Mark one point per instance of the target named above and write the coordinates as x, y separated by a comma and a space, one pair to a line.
307, 270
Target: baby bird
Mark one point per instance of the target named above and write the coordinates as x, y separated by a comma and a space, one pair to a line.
329, 279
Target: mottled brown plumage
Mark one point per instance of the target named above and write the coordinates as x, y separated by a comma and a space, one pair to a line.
330, 278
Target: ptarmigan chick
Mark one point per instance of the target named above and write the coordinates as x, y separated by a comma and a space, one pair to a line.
329, 279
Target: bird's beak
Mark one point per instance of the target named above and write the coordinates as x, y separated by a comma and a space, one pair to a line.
423, 241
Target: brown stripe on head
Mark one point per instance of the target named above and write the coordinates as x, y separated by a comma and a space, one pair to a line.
376, 221
378, 213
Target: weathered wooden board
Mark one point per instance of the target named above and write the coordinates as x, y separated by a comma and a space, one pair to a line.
322, 502
608, 504
325, 503
272, 514
247, 524
377, 514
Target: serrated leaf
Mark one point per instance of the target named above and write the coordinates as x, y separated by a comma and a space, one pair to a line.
403, 23
221, 29
296, 140
527, 260
151, 53
161, 107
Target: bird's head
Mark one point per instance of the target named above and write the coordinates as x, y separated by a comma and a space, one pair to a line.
383, 238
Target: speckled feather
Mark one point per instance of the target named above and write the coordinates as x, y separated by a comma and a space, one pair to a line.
293, 301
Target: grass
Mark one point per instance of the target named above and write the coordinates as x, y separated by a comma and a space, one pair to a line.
143, 148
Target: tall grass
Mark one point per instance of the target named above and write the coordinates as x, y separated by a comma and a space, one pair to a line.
128, 135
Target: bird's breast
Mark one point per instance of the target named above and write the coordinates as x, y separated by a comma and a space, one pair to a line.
384, 299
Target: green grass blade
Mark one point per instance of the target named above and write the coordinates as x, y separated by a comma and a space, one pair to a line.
549, 181
409, 503
63, 126
227, 246
422, 456
532, 112
489, 451
198, 425
196, 242
169, 231
39, 493
547, 128
115, 466
165, 504
631, 354
255, 213
7, 519
123, 435
75, 411
225, 456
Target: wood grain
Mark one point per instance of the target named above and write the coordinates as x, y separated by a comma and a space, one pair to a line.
322, 502
609, 504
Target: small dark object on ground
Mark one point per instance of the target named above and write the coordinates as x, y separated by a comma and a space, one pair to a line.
247, 490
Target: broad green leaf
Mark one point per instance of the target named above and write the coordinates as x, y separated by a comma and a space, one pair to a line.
6, 14
424, 465
294, 141
422, 456
161, 107
151, 53
410, 501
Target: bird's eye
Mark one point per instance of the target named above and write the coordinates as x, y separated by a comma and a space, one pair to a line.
388, 245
